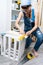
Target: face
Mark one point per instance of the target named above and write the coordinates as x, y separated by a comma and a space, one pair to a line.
28, 10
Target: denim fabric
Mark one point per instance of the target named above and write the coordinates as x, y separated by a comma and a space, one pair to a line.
28, 25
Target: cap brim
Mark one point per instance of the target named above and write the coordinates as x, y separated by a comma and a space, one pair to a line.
25, 5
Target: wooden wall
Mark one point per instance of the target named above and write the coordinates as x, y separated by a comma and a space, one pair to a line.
40, 11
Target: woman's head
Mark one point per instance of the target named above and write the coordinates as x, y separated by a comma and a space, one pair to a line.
26, 5
26, 8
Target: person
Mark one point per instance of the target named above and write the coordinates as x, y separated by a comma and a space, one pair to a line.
30, 25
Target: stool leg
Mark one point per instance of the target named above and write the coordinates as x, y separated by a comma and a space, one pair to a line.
4, 42
9, 46
2, 47
14, 56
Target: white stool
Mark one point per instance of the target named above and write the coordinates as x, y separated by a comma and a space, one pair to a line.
13, 50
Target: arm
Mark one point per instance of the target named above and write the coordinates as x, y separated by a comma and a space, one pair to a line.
36, 18
36, 23
17, 22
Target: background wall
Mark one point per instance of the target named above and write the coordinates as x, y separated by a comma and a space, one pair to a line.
4, 15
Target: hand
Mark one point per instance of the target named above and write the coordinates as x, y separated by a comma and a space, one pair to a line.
28, 33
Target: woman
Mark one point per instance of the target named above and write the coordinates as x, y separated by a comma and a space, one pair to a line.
30, 25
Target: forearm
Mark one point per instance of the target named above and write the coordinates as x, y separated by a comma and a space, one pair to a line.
18, 20
34, 28
17, 26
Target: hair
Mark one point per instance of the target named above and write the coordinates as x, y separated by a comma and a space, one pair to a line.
26, 7
30, 14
